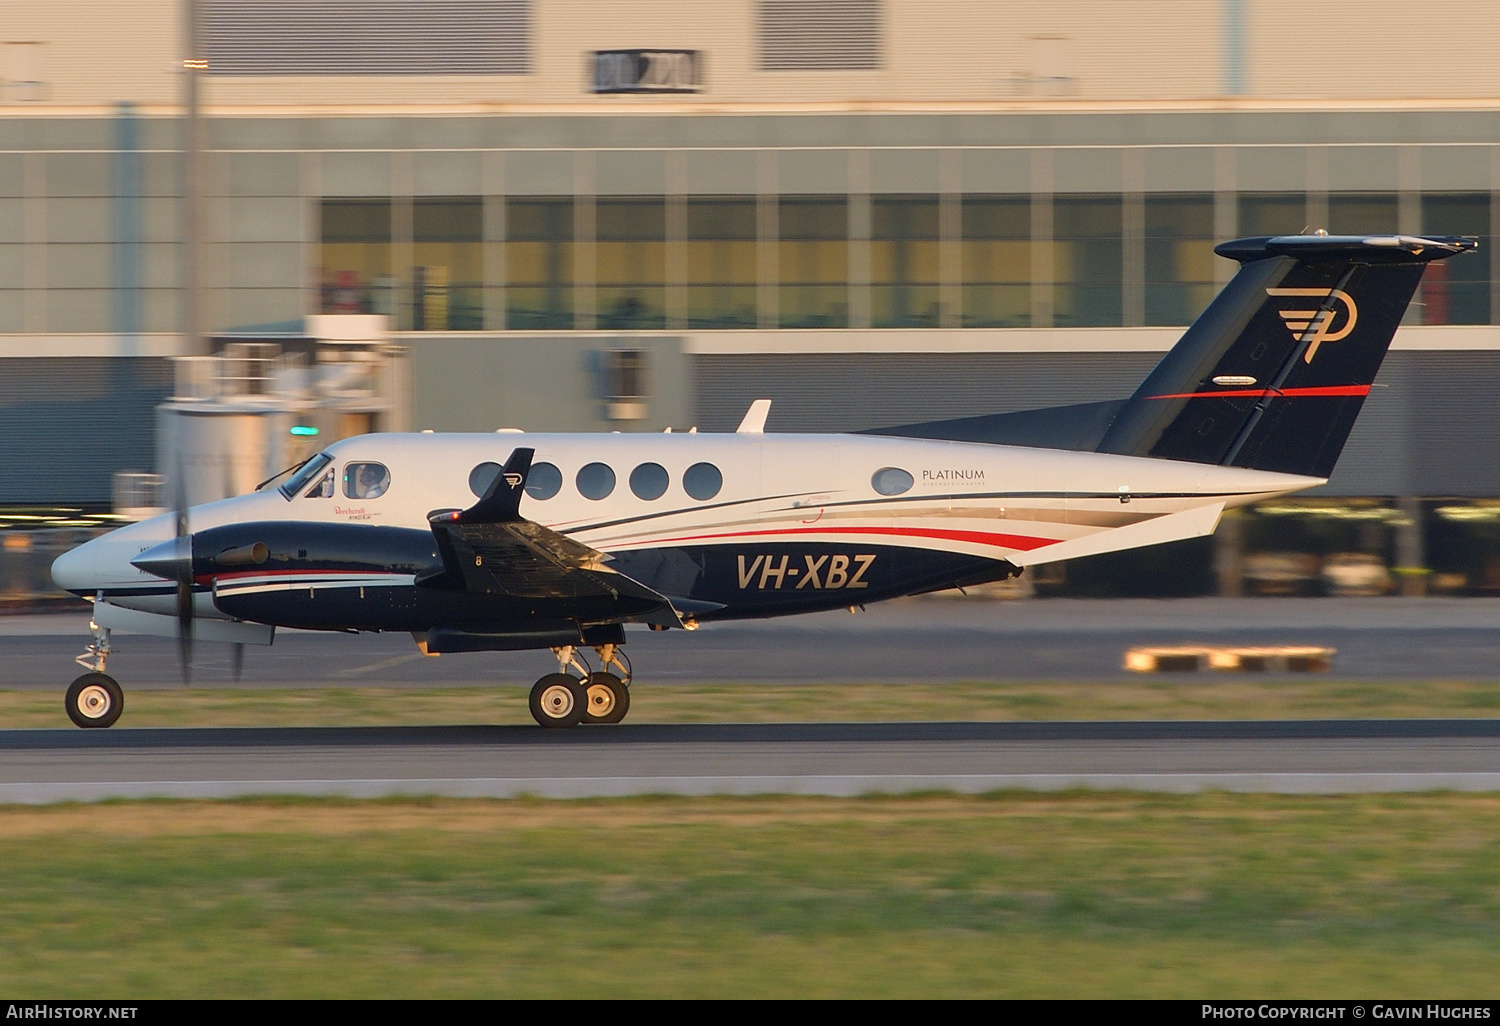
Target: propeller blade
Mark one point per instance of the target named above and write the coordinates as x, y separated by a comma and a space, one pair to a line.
237, 660
185, 629
184, 576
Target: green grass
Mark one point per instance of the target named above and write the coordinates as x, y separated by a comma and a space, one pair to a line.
1146, 698
1006, 895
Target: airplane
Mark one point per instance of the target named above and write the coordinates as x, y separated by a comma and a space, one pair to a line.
516, 541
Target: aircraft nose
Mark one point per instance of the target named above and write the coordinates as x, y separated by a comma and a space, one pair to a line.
77, 570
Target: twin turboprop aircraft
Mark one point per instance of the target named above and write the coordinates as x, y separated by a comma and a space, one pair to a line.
542, 541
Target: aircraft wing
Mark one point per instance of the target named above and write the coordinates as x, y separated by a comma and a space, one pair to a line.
490, 549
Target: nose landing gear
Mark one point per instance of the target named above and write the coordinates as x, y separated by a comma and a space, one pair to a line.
575, 694
95, 699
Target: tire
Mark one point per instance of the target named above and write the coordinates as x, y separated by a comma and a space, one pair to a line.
94, 700
608, 693
558, 700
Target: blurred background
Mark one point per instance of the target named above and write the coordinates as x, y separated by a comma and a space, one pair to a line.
232, 232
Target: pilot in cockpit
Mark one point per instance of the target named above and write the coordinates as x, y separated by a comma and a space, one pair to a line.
370, 481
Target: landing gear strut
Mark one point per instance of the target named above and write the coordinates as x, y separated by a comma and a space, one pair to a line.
575, 694
609, 695
95, 699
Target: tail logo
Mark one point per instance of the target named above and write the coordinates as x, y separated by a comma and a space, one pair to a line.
1315, 326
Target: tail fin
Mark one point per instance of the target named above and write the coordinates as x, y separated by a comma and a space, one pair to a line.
1273, 374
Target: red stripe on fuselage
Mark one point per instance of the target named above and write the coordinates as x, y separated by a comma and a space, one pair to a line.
1260, 393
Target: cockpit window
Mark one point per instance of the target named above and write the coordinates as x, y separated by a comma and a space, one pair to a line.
366, 480
304, 476
323, 489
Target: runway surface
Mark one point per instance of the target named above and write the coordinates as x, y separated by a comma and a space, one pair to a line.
908, 640
1303, 756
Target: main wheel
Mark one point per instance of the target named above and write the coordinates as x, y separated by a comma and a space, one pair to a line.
609, 698
558, 700
94, 700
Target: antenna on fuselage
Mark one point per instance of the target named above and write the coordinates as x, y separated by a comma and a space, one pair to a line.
754, 422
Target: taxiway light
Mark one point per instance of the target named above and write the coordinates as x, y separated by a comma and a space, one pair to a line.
302, 429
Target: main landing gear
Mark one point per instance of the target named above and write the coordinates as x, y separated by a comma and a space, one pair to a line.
95, 699
575, 694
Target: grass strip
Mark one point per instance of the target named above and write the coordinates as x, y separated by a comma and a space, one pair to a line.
1027, 895
759, 703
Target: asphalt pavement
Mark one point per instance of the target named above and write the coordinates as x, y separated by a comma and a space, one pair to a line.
1328, 756
915, 640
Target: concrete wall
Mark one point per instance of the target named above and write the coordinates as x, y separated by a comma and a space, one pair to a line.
1044, 52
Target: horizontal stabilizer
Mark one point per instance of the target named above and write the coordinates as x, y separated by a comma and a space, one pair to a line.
1190, 523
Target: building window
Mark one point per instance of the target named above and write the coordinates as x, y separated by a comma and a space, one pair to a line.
1179, 256
904, 272
447, 272
1457, 291
538, 263
721, 263
1362, 213
374, 37
1272, 213
813, 257
355, 256
1087, 260
996, 248
819, 35
630, 261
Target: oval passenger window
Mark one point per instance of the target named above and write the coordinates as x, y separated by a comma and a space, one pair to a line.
702, 481
544, 481
482, 476
649, 481
595, 481
366, 480
891, 481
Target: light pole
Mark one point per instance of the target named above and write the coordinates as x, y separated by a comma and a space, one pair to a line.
193, 64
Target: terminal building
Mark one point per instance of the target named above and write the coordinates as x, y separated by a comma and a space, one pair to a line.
608, 215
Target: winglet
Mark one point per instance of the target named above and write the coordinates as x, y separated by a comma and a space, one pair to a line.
502, 502
755, 418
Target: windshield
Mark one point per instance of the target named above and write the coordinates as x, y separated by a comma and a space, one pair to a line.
280, 476
292, 485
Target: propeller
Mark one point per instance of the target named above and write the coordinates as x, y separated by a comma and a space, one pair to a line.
184, 550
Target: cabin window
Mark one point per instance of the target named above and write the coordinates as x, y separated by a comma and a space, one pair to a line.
482, 476
891, 481
649, 481
595, 481
702, 481
323, 489
544, 481
366, 480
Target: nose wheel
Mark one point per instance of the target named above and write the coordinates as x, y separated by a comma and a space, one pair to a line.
95, 700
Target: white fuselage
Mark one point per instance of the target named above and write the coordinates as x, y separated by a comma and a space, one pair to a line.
994, 502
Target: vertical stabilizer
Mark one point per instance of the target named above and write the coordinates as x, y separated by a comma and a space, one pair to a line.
1273, 374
